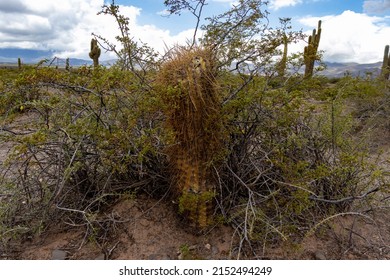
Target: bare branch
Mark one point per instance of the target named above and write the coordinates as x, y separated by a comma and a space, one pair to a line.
345, 199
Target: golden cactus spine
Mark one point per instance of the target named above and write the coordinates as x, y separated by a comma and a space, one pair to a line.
310, 51
192, 107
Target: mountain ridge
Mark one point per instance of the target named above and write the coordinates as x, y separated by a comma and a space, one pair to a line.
338, 69
332, 69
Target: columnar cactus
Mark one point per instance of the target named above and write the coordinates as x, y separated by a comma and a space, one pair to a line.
95, 52
19, 63
191, 103
386, 64
310, 51
283, 62
67, 64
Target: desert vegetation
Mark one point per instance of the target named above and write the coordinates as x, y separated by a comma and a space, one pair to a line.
227, 127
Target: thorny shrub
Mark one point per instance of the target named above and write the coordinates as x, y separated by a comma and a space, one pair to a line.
95, 135
295, 158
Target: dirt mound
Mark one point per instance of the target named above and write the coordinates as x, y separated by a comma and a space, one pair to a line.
140, 229
147, 229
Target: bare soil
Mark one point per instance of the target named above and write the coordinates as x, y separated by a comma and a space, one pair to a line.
145, 229
151, 230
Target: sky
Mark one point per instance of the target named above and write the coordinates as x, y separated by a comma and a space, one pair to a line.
352, 30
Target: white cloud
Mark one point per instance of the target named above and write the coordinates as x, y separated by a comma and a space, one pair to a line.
225, 1
277, 4
163, 13
351, 37
376, 6
65, 26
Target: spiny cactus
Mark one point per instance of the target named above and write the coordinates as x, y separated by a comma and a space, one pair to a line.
95, 52
67, 64
385, 73
191, 103
283, 62
310, 51
19, 63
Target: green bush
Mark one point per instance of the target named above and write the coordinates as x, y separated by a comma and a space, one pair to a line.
294, 159
96, 135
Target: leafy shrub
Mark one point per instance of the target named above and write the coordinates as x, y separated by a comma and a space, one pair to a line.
293, 161
95, 137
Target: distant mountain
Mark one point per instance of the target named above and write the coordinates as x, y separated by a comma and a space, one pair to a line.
76, 62
11, 55
59, 62
30, 56
335, 69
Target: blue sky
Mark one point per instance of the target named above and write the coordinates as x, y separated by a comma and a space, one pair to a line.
353, 30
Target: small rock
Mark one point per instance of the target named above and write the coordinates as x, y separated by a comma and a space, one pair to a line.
207, 246
100, 257
215, 250
159, 257
350, 257
319, 255
58, 255
193, 247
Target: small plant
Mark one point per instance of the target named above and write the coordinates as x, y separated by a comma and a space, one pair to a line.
185, 252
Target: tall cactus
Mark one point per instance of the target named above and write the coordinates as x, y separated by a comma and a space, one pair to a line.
385, 73
19, 63
283, 62
67, 64
191, 103
95, 52
310, 51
